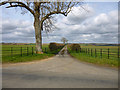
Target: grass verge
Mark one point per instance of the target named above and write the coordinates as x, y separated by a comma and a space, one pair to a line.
17, 58
16, 53
94, 60
98, 61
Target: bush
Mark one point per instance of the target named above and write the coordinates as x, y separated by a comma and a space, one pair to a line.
75, 47
52, 46
55, 47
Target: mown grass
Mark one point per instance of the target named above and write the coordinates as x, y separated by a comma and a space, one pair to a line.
15, 56
113, 51
85, 57
99, 61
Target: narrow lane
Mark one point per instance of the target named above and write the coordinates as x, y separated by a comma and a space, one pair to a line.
59, 72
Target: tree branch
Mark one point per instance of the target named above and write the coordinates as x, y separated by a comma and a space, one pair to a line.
3, 3
14, 6
51, 13
19, 4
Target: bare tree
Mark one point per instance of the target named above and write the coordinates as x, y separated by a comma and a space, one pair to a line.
64, 40
42, 12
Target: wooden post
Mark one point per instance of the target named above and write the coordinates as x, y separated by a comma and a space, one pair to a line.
108, 53
101, 53
91, 51
27, 51
21, 51
95, 53
45, 50
88, 50
32, 50
80, 49
118, 52
76, 50
11, 51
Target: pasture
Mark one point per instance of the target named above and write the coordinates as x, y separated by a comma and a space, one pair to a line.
102, 55
108, 52
23, 53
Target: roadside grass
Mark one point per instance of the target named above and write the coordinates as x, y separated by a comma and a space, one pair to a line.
113, 51
89, 59
15, 57
113, 62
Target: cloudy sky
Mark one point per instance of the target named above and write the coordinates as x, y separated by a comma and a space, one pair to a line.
97, 24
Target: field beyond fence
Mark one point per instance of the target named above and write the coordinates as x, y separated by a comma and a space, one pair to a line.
21, 53
20, 50
109, 53
105, 55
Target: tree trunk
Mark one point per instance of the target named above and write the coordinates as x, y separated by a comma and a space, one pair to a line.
38, 34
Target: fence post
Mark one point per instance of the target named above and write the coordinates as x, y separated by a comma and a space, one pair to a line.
45, 50
118, 52
32, 50
11, 51
21, 51
91, 51
95, 53
27, 51
101, 53
108, 53
88, 50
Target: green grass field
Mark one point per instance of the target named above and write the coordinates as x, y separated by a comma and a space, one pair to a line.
15, 56
23, 53
97, 59
113, 51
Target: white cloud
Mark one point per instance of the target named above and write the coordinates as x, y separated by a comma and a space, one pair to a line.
101, 19
80, 26
17, 31
100, 28
86, 35
79, 14
113, 15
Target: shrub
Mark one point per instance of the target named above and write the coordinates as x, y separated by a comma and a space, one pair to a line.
55, 47
60, 46
75, 47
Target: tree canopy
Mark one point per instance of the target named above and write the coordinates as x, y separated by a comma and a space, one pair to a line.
42, 11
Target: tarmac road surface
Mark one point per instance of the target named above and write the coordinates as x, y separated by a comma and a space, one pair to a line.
58, 72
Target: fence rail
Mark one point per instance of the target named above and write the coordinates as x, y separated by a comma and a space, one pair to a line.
108, 53
101, 52
20, 51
